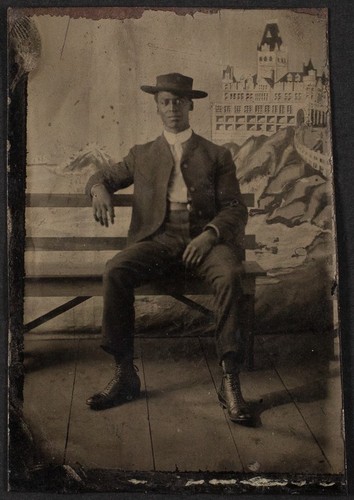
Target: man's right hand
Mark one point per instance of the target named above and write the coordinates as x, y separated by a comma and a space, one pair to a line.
102, 205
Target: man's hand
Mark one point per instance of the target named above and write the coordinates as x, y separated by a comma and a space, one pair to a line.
102, 205
199, 247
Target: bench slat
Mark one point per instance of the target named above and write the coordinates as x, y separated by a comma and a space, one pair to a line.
94, 243
75, 243
96, 267
252, 267
69, 285
89, 287
80, 200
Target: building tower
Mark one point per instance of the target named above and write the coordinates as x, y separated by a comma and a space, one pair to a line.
272, 54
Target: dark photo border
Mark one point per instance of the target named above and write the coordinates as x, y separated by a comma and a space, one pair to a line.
56, 479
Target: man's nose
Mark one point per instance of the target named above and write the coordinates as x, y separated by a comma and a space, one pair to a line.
172, 105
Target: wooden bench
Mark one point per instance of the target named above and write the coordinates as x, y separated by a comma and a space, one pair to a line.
85, 284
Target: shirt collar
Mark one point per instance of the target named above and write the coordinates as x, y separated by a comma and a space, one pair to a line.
180, 138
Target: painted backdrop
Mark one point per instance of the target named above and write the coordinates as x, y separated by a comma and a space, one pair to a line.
84, 106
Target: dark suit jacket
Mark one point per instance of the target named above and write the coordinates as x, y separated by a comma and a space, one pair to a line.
209, 174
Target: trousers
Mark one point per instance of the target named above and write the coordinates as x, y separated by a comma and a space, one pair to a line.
155, 258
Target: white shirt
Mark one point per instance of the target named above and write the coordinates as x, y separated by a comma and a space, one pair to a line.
177, 189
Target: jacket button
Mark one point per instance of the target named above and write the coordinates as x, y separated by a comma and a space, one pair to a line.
200, 213
192, 189
185, 164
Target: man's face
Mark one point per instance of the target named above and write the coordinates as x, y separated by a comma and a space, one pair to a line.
174, 111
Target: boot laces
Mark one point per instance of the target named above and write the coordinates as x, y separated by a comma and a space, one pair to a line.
234, 389
109, 386
122, 372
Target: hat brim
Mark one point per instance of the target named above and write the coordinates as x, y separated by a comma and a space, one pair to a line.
192, 94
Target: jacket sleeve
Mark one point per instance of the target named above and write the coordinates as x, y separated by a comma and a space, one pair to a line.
232, 214
115, 176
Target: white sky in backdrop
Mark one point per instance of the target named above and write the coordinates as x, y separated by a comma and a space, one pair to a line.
86, 91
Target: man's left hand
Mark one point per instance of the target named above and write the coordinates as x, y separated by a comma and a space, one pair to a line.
199, 247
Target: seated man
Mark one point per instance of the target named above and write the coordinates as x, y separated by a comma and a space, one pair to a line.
187, 207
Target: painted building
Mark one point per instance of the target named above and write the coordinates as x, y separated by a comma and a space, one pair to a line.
271, 99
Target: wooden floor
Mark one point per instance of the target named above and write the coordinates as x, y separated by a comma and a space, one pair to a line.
177, 424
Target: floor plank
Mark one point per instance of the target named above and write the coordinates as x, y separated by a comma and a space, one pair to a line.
49, 380
117, 438
282, 443
189, 429
315, 386
177, 423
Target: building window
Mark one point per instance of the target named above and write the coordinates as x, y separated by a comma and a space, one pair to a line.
218, 108
259, 108
227, 109
267, 108
261, 58
289, 109
274, 108
281, 108
265, 58
247, 109
270, 58
237, 109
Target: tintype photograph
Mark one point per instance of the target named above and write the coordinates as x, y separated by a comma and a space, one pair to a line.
174, 299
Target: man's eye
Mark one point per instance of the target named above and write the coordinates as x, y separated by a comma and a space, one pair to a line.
176, 102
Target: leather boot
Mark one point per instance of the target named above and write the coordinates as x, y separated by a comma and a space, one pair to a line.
124, 386
230, 396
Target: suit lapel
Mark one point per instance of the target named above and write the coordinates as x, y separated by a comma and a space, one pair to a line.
189, 147
160, 164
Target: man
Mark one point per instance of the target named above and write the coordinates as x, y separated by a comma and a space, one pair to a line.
187, 208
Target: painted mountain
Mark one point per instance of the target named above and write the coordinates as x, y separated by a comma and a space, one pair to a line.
293, 223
